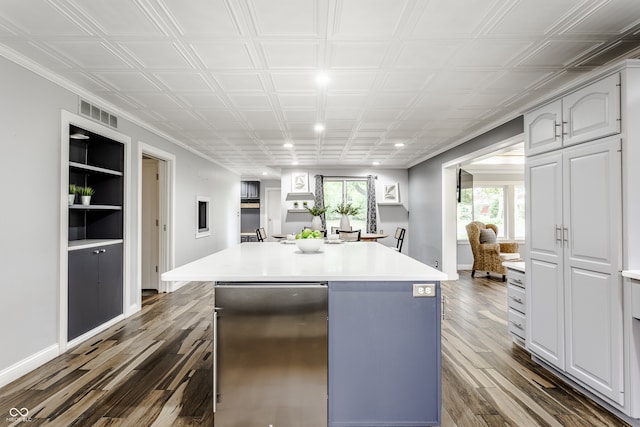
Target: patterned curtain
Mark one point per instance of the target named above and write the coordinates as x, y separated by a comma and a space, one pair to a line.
319, 198
372, 218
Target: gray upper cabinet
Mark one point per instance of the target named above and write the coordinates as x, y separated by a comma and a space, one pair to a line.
250, 189
589, 113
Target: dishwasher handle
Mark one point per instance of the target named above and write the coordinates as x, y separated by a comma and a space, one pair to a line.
270, 285
215, 358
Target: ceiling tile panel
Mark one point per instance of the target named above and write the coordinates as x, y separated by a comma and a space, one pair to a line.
614, 17
127, 81
547, 13
251, 101
300, 17
47, 21
298, 101
300, 116
296, 81
393, 100
183, 82
432, 55
558, 53
239, 82
118, 17
156, 54
223, 55
44, 57
459, 80
202, 17
155, 100
89, 54
201, 100
292, 56
446, 17
351, 81
517, 80
346, 100
357, 55
382, 17
489, 53
405, 81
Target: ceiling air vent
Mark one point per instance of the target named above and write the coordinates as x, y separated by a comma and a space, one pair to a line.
98, 114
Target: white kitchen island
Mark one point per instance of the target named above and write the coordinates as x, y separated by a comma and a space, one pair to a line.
383, 346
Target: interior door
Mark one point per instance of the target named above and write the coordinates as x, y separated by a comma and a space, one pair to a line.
273, 210
150, 224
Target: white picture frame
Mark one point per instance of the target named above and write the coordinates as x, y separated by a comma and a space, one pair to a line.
299, 182
390, 193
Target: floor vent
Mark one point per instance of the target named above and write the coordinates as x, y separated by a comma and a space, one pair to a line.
98, 114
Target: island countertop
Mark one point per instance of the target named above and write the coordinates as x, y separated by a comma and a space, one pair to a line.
273, 261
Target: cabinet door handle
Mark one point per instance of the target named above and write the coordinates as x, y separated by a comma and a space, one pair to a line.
444, 299
215, 358
519, 300
558, 235
565, 236
103, 251
96, 252
556, 129
563, 128
518, 281
517, 325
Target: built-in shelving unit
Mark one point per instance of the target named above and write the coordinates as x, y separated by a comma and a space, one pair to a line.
95, 232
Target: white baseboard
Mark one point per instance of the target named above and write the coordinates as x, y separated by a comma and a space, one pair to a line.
174, 286
465, 266
92, 333
28, 364
133, 309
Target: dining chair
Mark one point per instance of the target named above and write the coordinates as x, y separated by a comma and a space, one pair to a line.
349, 235
261, 234
399, 236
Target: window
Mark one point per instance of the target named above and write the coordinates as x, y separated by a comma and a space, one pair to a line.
499, 204
202, 217
354, 191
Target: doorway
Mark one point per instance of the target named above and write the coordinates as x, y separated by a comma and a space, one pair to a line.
150, 225
155, 218
273, 211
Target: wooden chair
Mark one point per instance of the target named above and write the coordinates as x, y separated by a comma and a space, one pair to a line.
261, 234
399, 236
349, 235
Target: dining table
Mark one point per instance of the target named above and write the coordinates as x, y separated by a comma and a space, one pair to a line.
372, 237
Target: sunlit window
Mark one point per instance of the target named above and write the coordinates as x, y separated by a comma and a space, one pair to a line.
337, 191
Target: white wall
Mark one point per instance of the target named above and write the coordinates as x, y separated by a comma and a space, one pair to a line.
389, 217
30, 215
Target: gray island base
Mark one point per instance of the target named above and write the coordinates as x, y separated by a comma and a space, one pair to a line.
349, 336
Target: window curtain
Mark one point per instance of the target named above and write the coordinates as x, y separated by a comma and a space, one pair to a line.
319, 198
372, 218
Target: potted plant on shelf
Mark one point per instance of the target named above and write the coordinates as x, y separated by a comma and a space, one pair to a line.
345, 210
85, 194
315, 211
72, 193
295, 205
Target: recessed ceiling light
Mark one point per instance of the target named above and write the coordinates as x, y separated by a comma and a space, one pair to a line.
319, 127
322, 79
264, 173
78, 135
376, 163
399, 144
294, 163
287, 145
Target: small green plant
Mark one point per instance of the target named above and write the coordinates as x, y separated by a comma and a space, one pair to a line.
316, 211
347, 209
85, 191
73, 189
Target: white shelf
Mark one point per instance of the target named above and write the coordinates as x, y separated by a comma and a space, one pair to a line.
300, 196
75, 245
96, 207
389, 203
90, 168
298, 211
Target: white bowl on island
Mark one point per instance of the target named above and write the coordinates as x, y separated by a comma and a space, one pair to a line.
310, 245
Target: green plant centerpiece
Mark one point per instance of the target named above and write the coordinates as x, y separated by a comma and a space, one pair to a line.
316, 211
346, 209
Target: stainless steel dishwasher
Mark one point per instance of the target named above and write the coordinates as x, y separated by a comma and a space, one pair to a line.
270, 354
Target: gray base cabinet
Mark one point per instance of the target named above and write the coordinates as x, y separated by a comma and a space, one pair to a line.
384, 355
95, 287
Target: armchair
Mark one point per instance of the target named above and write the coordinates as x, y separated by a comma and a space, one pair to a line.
488, 255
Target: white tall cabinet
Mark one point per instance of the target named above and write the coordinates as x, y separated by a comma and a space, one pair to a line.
578, 154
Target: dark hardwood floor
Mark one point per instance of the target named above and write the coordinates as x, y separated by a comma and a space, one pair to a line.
155, 369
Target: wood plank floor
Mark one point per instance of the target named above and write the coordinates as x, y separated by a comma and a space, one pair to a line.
154, 369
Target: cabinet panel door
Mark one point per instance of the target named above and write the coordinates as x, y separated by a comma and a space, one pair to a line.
592, 112
544, 207
544, 266
82, 292
593, 287
542, 129
545, 311
110, 282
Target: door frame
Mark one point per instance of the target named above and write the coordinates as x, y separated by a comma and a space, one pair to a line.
269, 197
449, 203
166, 241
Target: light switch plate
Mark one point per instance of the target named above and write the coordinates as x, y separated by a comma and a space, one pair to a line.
424, 290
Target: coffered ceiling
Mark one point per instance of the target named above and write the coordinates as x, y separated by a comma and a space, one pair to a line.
236, 79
